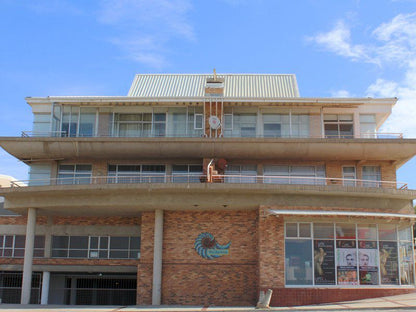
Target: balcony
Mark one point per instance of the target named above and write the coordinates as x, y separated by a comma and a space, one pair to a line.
364, 135
129, 195
198, 178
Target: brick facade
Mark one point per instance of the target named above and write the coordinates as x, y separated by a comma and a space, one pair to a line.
190, 279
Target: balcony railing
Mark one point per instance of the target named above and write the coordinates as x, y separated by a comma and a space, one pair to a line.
64, 134
199, 178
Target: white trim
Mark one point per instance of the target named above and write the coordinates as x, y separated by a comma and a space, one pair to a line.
339, 213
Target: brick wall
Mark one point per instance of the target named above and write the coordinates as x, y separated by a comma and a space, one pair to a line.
190, 279
271, 250
306, 296
145, 266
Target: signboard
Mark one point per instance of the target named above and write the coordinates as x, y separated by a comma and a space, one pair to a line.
346, 262
324, 262
368, 262
388, 263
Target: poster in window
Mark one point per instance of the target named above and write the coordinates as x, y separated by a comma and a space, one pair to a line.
324, 262
368, 262
388, 263
346, 262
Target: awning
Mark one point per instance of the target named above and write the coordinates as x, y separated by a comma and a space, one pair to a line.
341, 213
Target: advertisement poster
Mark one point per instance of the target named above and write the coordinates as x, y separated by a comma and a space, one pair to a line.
324, 262
368, 262
346, 262
388, 263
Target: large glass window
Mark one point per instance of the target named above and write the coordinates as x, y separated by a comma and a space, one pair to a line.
285, 125
13, 246
287, 174
140, 124
368, 125
96, 247
242, 125
348, 175
136, 173
349, 254
298, 254
371, 176
338, 126
186, 173
241, 174
74, 174
77, 121
41, 124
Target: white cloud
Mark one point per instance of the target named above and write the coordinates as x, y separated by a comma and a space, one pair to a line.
338, 41
394, 44
144, 27
341, 94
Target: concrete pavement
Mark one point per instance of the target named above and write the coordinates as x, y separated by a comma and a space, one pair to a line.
393, 303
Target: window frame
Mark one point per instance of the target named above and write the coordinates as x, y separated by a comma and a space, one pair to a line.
358, 238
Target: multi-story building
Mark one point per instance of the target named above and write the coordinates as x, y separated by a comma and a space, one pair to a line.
206, 189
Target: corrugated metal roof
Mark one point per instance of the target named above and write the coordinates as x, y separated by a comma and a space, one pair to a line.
235, 85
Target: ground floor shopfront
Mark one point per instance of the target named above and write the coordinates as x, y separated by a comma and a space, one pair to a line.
218, 257
227, 257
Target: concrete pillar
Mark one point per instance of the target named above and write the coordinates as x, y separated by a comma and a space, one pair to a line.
28, 260
45, 287
73, 300
322, 123
356, 120
157, 258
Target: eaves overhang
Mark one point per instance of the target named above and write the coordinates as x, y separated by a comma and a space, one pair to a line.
31, 149
125, 100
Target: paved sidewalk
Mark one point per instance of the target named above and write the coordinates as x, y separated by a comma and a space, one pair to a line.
393, 303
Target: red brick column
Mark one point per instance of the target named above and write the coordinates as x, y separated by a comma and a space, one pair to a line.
145, 267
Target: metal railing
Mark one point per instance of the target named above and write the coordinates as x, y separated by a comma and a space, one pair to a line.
200, 178
364, 135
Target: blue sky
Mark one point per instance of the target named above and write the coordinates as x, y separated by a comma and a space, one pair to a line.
336, 48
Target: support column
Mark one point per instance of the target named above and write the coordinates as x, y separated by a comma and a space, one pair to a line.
322, 123
73, 300
45, 287
157, 258
28, 260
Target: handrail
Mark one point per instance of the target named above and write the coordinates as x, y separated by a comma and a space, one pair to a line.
216, 178
28, 134
363, 135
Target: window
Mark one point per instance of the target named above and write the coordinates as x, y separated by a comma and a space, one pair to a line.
368, 126
41, 124
198, 121
96, 247
272, 125
13, 246
286, 174
39, 174
338, 126
371, 176
186, 173
298, 254
348, 174
241, 174
74, 174
243, 125
136, 173
77, 121
140, 125
389, 270
348, 254
286, 125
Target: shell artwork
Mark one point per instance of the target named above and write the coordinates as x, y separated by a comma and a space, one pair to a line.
208, 248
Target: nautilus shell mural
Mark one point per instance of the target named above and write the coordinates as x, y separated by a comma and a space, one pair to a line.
207, 247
